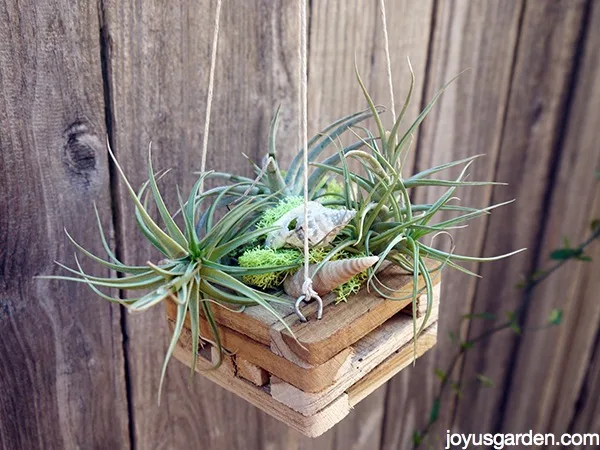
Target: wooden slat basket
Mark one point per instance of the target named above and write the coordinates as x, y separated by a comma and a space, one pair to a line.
312, 382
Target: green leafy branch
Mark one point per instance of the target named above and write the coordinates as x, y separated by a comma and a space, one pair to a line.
561, 256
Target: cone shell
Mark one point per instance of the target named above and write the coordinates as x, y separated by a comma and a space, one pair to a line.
332, 275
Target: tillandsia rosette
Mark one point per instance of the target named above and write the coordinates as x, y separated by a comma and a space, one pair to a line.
252, 254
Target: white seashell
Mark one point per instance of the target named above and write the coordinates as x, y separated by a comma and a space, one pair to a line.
323, 226
332, 275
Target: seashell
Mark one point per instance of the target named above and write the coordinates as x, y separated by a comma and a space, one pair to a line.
324, 224
332, 275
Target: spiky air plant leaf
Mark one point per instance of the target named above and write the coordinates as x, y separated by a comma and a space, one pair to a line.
195, 270
387, 224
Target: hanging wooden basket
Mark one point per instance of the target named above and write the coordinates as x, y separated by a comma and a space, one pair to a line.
312, 382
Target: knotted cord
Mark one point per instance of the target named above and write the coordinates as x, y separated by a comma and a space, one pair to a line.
308, 293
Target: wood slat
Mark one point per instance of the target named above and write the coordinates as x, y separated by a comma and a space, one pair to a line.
61, 370
251, 372
310, 378
551, 402
322, 420
539, 88
316, 341
468, 120
158, 74
367, 353
316, 378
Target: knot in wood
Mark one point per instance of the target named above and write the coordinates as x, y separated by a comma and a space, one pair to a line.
80, 152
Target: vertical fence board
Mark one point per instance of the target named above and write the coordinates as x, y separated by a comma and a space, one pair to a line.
340, 34
343, 32
543, 66
158, 67
467, 121
61, 369
539, 397
586, 414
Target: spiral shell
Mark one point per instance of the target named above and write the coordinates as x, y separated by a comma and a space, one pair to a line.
322, 227
332, 275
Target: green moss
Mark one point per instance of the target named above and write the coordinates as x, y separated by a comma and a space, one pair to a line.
265, 257
350, 287
270, 216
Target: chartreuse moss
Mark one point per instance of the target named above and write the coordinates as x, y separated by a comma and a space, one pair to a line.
272, 215
264, 257
267, 257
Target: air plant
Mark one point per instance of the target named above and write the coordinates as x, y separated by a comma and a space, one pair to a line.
194, 271
232, 260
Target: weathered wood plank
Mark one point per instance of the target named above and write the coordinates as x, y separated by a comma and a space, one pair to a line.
367, 353
391, 366
551, 401
585, 418
309, 378
251, 372
316, 341
468, 120
313, 425
61, 367
158, 67
539, 88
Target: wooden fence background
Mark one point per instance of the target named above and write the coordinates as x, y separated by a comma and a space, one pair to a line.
76, 372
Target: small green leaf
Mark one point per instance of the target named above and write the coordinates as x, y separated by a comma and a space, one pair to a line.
435, 411
537, 275
565, 253
452, 336
515, 327
595, 225
466, 345
485, 381
440, 374
513, 321
555, 317
417, 438
456, 389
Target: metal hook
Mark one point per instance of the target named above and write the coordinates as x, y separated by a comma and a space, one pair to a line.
301, 299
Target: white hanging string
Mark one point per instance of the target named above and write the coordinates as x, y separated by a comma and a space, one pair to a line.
209, 97
308, 293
